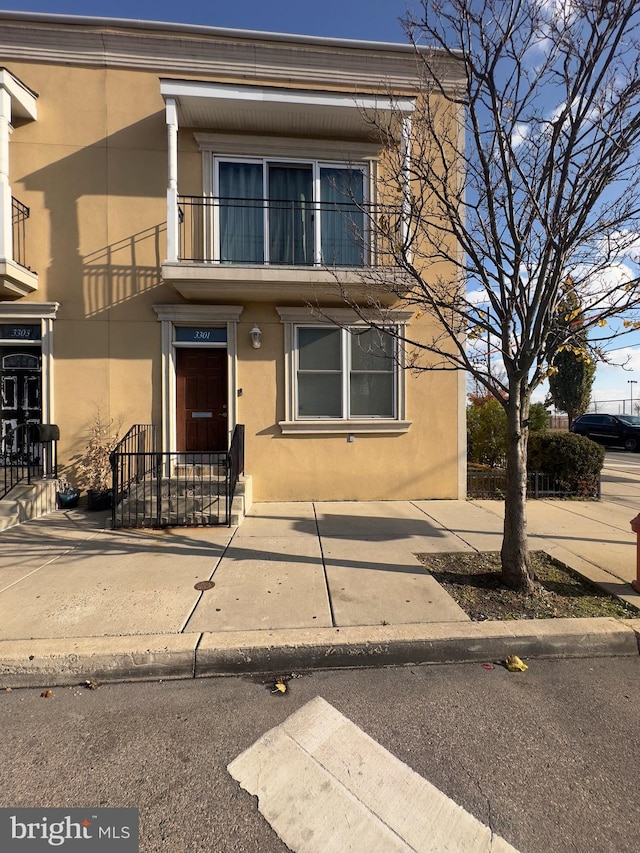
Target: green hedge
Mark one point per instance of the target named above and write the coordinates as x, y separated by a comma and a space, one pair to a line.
487, 431
574, 461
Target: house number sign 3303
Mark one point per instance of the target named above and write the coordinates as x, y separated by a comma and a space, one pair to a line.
26, 332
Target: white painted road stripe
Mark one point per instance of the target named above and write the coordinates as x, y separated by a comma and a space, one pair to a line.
325, 786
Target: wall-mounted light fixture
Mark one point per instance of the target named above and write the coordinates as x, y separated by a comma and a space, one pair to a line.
256, 337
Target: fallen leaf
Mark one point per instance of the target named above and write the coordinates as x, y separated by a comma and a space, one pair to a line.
280, 687
514, 664
46, 694
91, 685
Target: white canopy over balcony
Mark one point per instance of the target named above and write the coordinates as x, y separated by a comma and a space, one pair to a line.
269, 111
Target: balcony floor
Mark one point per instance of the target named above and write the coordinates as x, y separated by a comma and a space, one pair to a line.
204, 282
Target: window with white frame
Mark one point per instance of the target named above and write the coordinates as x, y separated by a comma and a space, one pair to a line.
290, 212
342, 375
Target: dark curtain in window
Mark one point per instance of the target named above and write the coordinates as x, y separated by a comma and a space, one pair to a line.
291, 214
241, 213
342, 222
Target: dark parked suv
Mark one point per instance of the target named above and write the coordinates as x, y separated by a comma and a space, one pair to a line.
613, 430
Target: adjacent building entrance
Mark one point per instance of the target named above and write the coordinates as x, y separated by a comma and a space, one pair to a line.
21, 385
201, 399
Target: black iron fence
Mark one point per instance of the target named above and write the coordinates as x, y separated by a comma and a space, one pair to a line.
267, 231
173, 488
490, 485
28, 452
19, 215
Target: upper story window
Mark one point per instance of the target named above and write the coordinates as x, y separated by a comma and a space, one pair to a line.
299, 213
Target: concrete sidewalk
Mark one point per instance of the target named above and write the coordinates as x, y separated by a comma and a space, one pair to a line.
296, 585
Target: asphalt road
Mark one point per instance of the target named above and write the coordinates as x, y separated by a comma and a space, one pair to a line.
622, 460
549, 758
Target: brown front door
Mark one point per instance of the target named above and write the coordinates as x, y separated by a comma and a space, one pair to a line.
201, 416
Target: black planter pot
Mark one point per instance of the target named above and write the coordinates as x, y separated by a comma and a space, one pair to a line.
98, 499
68, 499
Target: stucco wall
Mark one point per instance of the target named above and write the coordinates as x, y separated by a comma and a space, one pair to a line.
93, 170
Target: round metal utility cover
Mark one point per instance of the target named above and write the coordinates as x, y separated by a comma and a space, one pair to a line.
202, 585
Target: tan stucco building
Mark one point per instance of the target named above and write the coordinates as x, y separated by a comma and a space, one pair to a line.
176, 204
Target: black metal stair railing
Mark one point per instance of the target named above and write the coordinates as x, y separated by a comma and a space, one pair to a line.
235, 462
154, 488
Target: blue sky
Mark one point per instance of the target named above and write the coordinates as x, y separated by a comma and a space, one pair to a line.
375, 20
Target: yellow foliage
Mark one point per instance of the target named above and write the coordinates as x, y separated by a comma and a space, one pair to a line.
514, 664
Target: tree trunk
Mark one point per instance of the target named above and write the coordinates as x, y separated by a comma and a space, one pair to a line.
516, 564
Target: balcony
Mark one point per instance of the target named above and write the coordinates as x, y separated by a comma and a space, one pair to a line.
16, 277
265, 248
17, 102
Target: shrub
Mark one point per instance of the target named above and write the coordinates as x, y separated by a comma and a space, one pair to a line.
538, 417
487, 430
486, 433
95, 465
574, 461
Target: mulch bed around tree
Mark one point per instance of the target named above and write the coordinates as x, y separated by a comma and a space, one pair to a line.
473, 580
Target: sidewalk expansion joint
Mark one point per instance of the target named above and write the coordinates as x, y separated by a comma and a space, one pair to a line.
444, 527
324, 568
202, 592
195, 656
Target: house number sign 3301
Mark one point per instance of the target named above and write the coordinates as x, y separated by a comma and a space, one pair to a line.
193, 334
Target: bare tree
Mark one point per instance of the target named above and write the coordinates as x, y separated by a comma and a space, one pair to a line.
521, 180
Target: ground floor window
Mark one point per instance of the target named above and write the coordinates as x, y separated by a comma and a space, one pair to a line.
343, 374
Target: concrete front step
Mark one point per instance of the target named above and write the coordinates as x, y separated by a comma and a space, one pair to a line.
196, 519
141, 510
180, 487
27, 501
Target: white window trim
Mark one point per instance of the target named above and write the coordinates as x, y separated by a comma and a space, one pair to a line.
285, 147
211, 189
291, 425
45, 313
214, 316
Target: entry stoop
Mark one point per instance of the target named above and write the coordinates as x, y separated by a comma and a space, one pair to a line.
190, 498
27, 501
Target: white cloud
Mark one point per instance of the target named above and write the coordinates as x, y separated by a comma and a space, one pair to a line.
477, 297
628, 356
624, 244
519, 135
604, 288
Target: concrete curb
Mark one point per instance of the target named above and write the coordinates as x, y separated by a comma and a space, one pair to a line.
47, 663
389, 645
